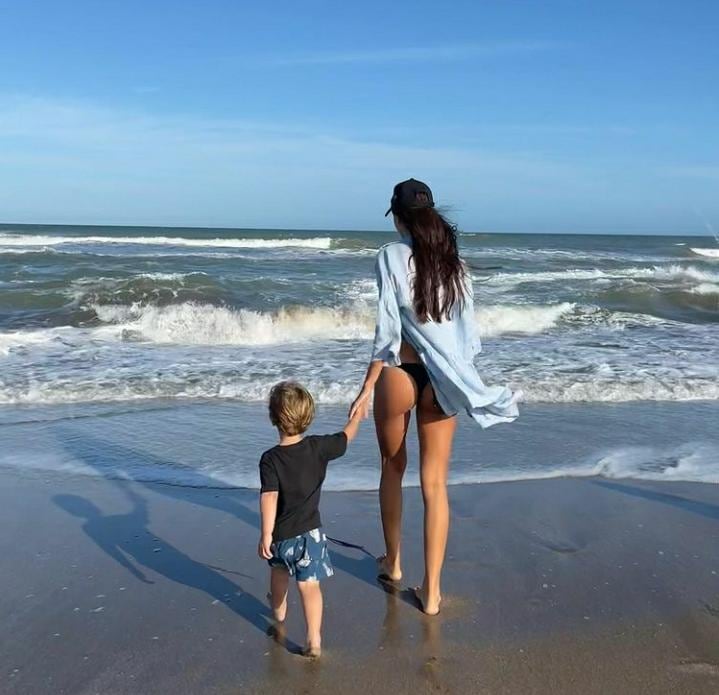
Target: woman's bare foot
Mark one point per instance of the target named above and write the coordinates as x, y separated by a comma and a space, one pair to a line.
387, 572
279, 613
428, 606
312, 652
278, 632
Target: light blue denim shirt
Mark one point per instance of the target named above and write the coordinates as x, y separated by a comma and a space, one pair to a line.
446, 349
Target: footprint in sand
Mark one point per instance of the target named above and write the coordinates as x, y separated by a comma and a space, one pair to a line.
699, 668
558, 546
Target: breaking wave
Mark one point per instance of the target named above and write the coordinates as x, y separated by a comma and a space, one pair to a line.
35, 240
201, 324
709, 253
668, 273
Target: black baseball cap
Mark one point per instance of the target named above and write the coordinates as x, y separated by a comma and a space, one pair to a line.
410, 194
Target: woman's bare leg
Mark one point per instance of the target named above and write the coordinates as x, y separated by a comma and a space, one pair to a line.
436, 432
395, 395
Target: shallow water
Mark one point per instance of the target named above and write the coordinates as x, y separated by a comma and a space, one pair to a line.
218, 443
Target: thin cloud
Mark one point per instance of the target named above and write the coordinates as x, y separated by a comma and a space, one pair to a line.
709, 172
72, 161
414, 54
31, 125
146, 89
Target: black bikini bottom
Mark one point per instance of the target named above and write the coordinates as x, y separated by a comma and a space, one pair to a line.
418, 373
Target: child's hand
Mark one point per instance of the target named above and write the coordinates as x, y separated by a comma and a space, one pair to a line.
358, 412
263, 547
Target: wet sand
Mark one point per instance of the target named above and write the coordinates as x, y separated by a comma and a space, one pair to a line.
556, 586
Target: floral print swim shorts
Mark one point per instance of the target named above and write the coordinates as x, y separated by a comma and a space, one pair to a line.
305, 556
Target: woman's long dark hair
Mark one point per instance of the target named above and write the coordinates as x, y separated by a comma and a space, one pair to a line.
439, 280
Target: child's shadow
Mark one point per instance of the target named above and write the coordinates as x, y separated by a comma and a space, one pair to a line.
131, 463
116, 457
128, 541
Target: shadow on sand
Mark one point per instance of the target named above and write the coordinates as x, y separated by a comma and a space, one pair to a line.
683, 503
109, 458
127, 539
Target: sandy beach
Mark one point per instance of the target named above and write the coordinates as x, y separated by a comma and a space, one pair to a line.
515, 203
557, 586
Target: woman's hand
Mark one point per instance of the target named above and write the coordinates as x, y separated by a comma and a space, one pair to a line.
360, 405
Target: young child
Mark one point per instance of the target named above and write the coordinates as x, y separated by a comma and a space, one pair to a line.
291, 476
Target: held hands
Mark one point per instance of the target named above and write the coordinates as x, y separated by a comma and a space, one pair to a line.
263, 547
360, 405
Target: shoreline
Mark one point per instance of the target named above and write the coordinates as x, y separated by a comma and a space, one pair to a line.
562, 586
216, 445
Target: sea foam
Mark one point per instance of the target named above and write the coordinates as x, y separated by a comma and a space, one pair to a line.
23, 339
670, 272
190, 323
32, 240
709, 253
203, 324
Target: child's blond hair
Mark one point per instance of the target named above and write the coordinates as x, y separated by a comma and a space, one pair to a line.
292, 407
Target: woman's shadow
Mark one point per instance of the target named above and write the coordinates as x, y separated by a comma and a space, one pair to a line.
127, 539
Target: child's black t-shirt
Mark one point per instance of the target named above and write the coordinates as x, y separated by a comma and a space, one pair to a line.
297, 472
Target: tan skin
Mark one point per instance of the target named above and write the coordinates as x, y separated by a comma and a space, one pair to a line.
395, 396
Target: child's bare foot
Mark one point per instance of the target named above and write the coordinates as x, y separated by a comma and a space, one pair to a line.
387, 572
280, 612
312, 652
428, 606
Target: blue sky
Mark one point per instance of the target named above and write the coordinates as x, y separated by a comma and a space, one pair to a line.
523, 116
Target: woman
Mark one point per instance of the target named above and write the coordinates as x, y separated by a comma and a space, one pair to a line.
425, 341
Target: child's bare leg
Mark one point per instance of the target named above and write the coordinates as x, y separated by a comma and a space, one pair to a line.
311, 596
279, 581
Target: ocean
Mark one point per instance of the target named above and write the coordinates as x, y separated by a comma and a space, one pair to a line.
148, 331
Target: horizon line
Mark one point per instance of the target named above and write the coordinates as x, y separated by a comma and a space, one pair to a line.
347, 230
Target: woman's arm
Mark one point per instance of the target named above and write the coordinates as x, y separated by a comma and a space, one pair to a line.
388, 331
